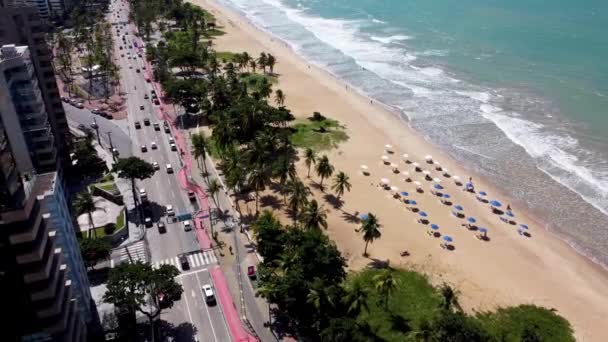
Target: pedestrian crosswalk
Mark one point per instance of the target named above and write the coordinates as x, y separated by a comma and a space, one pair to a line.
133, 253
196, 260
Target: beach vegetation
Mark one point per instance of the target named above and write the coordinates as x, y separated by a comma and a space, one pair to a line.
370, 229
94, 250
318, 135
226, 56
324, 169
310, 158
314, 216
298, 194
341, 184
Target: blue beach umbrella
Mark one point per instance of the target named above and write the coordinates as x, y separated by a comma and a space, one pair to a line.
458, 207
482, 230
447, 238
471, 219
438, 187
446, 196
524, 226
412, 202
510, 214
423, 214
495, 203
483, 193
434, 227
364, 216
404, 193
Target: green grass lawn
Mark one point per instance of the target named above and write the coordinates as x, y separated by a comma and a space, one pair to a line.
318, 135
416, 300
120, 224
226, 56
108, 186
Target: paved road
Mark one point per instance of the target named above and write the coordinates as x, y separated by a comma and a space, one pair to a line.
206, 323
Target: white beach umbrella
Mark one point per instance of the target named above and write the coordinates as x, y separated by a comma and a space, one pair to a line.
405, 156
446, 172
385, 181
388, 147
436, 180
405, 173
394, 166
418, 184
364, 167
394, 189
456, 180
385, 158
428, 157
415, 164
437, 166
426, 173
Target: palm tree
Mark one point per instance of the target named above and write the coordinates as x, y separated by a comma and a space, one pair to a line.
385, 284
270, 61
85, 203
356, 298
449, 298
262, 60
370, 229
314, 216
310, 158
133, 168
341, 183
324, 169
252, 65
279, 97
265, 88
298, 196
214, 188
258, 178
199, 149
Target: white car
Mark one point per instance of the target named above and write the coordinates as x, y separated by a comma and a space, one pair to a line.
144, 148
153, 145
208, 293
173, 147
169, 168
170, 210
156, 166
187, 225
171, 141
143, 194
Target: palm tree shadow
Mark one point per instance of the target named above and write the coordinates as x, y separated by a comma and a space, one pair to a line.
270, 201
350, 218
316, 186
333, 200
378, 264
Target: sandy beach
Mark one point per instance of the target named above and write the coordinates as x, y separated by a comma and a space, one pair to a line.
509, 269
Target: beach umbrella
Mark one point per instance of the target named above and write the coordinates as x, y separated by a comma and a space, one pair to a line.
436, 180
510, 214
426, 173
458, 207
423, 214
438, 187
388, 147
446, 196
418, 184
456, 179
394, 166
434, 226
364, 167
415, 164
412, 202
405, 156
428, 158
495, 203
364, 216
524, 226
482, 230
447, 238
446, 173
482, 193
384, 158
404, 193
385, 181
394, 189
437, 166
471, 219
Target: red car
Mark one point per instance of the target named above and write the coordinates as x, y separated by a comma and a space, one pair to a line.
251, 272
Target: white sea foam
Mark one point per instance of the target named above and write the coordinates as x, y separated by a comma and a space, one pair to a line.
378, 21
480, 96
391, 39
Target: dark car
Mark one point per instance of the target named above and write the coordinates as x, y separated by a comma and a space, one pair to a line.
156, 102
183, 261
156, 126
147, 122
137, 125
191, 196
162, 229
141, 107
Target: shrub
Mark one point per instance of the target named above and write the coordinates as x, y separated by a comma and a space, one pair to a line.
109, 228
316, 116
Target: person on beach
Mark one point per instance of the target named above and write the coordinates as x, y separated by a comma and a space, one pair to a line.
508, 207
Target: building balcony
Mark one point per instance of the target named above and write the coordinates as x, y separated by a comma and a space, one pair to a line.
36, 250
58, 325
47, 289
51, 265
55, 305
47, 158
29, 229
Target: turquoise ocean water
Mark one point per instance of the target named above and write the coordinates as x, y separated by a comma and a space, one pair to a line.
516, 89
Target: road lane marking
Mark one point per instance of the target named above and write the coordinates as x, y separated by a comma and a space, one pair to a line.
198, 281
192, 260
188, 308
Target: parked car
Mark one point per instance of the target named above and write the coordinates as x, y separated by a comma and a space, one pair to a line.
79, 105
143, 195
191, 196
115, 152
156, 102
209, 295
81, 127
95, 110
137, 70
183, 261
167, 129
170, 211
146, 96
65, 99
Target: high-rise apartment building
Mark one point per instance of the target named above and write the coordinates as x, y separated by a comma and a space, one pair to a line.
44, 297
46, 9
23, 112
22, 26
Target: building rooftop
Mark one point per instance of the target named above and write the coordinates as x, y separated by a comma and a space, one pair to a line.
10, 51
